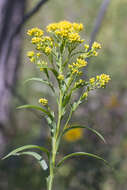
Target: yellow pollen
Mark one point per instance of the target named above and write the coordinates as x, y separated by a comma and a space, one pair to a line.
43, 101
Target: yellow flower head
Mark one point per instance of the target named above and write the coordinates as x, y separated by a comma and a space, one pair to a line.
92, 80
61, 77
30, 54
95, 53
79, 83
47, 50
74, 37
38, 54
32, 59
85, 95
81, 63
86, 46
75, 67
35, 32
77, 27
96, 45
74, 135
63, 25
47, 38
103, 79
100, 81
43, 101
66, 29
36, 40
52, 27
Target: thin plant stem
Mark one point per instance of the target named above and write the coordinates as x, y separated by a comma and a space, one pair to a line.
55, 145
69, 117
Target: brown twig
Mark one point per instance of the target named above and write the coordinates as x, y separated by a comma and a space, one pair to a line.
99, 20
10, 41
28, 16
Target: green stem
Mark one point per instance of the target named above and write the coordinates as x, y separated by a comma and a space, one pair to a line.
51, 166
55, 138
50, 181
55, 145
69, 117
69, 84
59, 115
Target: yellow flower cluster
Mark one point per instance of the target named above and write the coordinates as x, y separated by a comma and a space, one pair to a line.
47, 50
95, 53
43, 43
103, 79
30, 54
35, 32
65, 35
96, 45
43, 101
77, 26
79, 83
92, 80
74, 37
66, 29
33, 56
61, 77
81, 63
38, 54
94, 48
99, 81
76, 66
36, 40
65, 26
74, 135
86, 46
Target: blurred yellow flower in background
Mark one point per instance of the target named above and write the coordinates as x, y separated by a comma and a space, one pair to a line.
73, 135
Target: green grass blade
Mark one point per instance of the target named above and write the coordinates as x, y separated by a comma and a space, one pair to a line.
18, 150
54, 71
36, 79
80, 154
37, 156
36, 108
40, 80
90, 129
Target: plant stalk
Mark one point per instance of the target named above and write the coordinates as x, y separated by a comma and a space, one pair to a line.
55, 145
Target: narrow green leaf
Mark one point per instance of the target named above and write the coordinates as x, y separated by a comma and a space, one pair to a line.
35, 79
12, 153
80, 154
54, 71
35, 107
76, 104
66, 99
40, 80
46, 73
51, 124
90, 129
37, 156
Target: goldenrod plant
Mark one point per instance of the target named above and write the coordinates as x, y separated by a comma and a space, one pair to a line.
64, 54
